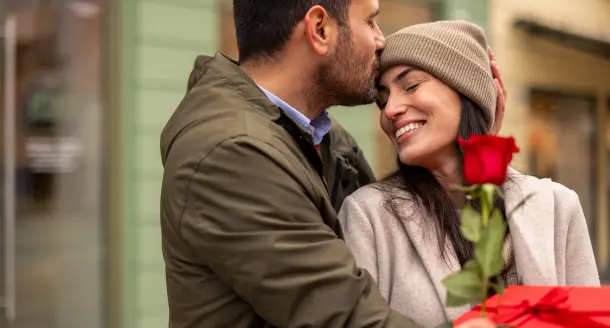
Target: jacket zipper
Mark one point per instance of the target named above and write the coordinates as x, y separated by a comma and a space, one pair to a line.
336, 181
304, 144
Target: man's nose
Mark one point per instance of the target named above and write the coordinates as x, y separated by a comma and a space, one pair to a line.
379, 40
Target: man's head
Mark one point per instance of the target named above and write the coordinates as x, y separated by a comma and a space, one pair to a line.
332, 43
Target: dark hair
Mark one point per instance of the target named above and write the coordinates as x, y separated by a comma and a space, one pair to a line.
264, 26
429, 194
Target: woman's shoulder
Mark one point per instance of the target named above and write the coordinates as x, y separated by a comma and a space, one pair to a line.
375, 198
366, 199
371, 191
380, 191
532, 184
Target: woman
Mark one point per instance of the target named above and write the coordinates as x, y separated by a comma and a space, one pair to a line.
436, 85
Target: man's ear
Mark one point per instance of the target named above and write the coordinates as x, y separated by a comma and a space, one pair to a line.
319, 30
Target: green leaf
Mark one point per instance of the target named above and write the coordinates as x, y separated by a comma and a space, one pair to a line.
488, 252
471, 224
455, 301
464, 286
499, 286
472, 266
499, 192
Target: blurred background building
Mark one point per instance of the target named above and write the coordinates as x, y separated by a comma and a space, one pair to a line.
87, 85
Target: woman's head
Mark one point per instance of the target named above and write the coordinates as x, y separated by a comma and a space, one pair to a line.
436, 84
437, 78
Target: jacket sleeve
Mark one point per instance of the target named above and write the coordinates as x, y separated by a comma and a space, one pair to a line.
248, 217
581, 269
359, 236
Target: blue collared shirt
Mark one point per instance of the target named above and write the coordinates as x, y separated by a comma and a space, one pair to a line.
319, 126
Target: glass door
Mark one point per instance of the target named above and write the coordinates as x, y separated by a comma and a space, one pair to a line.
52, 272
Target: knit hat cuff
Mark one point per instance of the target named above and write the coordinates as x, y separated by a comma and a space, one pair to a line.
447, 64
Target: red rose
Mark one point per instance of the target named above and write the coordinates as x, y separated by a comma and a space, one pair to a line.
486, 158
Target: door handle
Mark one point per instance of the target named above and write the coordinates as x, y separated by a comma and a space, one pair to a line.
10, 49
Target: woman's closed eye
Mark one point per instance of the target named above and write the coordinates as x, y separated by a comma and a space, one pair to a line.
381, 103
412, 87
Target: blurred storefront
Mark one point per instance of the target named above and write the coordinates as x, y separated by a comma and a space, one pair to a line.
555, 59
52, 158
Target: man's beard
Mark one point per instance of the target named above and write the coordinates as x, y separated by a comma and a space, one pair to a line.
346, 79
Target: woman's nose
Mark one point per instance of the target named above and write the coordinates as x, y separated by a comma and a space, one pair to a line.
393, 111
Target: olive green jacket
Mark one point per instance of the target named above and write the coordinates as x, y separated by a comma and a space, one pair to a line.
345, 168
250, 237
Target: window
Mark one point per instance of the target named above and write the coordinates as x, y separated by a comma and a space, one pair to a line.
562, 143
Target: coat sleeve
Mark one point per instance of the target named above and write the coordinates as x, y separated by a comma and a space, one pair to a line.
359, 236
248, 217
581, 269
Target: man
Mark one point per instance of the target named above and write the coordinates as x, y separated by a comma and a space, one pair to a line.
250, 236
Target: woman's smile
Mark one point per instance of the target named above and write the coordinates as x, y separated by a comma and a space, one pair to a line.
405, 129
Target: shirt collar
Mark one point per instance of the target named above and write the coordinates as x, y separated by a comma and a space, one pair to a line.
319, 126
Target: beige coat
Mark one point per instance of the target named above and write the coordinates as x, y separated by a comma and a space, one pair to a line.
550, 239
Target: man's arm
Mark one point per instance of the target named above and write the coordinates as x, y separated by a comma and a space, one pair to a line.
250, 220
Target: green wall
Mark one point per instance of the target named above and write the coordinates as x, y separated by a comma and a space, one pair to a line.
476, 11
160, 39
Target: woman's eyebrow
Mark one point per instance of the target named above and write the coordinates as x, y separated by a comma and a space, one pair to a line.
399, 77
404, 73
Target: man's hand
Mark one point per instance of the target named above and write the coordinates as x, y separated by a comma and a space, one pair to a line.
501, 102
477, 323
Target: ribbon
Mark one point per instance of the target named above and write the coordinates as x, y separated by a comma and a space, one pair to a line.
552, 308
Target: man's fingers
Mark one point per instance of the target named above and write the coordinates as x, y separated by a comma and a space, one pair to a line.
500, 109
501, 95
477, 323
491, 54
495, 72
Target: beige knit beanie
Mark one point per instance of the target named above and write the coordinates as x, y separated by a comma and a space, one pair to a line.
455, 52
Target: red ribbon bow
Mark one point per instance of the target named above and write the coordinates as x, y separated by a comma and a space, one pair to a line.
552, 308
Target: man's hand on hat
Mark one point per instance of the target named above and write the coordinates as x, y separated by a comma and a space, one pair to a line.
501, 102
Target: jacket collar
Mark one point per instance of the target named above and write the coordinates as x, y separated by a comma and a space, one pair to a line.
531, 229
229, 74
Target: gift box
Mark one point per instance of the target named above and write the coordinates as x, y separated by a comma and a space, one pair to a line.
547, 307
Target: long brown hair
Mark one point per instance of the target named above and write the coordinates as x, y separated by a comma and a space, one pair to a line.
429, 194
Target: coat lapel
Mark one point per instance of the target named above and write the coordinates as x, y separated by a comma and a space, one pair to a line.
532, 228
422, 234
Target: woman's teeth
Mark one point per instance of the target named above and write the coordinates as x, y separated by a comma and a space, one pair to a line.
408, 128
